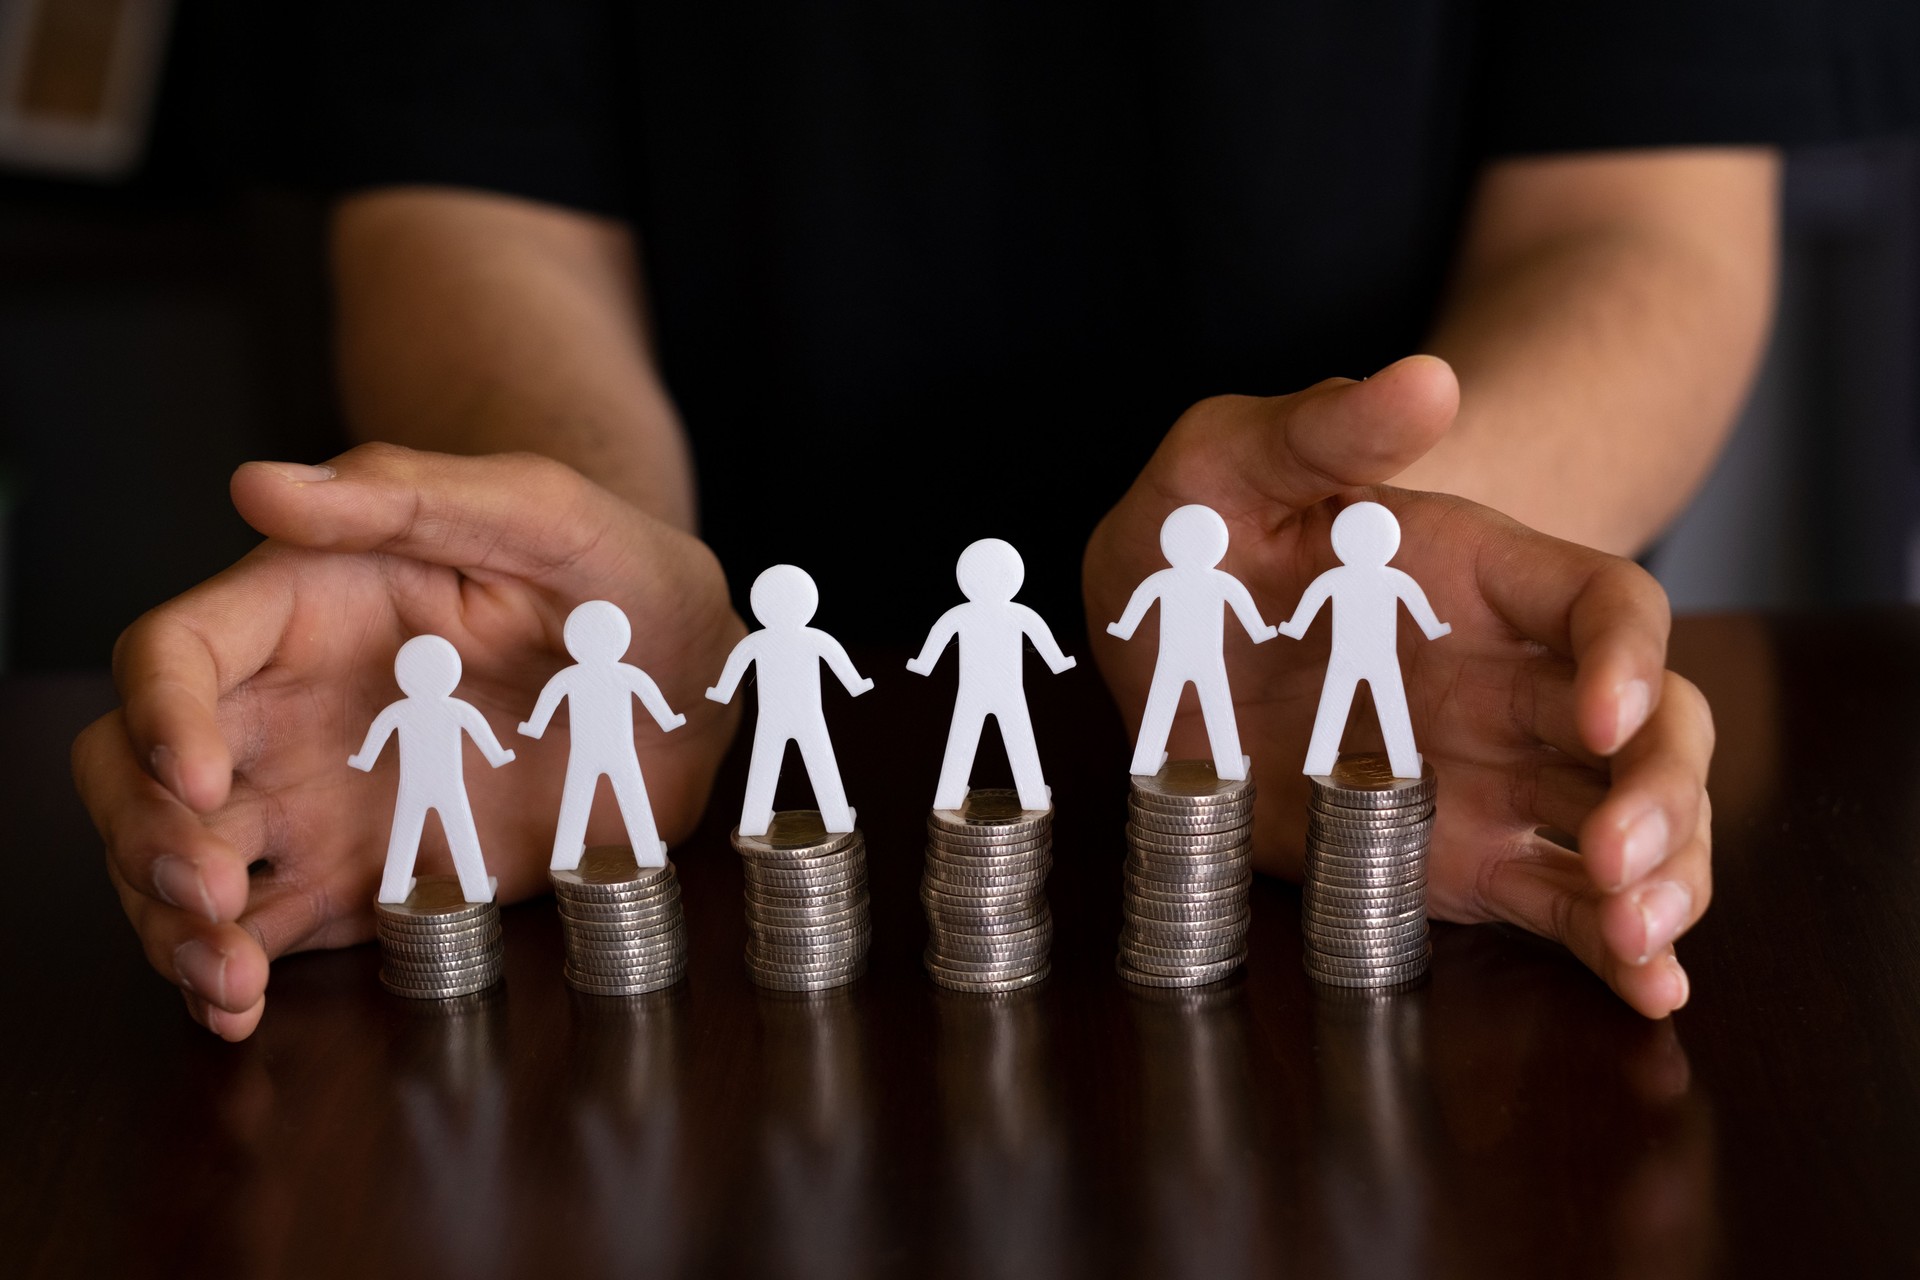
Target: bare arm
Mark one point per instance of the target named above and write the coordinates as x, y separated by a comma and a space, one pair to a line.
1240, 600
377, 734
840, 664
1304, 613
736, 668
1416, 601
544, 707
1605, 319
1137, 605
1036, 630
937, 640
482, 734
651, 698
478, 323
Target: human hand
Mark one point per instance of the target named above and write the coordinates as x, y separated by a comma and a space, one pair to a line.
233, 835
1549, 709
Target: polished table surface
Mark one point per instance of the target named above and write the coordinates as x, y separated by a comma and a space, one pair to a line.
1511, 1117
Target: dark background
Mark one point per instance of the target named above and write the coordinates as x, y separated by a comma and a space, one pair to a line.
158, 329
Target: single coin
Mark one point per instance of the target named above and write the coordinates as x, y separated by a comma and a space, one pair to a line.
434, 898
1381, 916
1368, 776
793, 833
1211, 893
1379, 983
1177, 825
441, 938
1376, 950
1192, 780
608, 867
996, 808
1197, 977
597, 934
1016, 982
1367, 975
639, 984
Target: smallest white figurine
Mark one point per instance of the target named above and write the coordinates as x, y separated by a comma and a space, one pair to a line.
430, 721
1366, 594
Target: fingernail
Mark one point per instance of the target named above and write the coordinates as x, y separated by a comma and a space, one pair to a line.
1664, 909
179, 884
1645, 845
165, 767
1635, 699
202, 970
1686, 984
300, 472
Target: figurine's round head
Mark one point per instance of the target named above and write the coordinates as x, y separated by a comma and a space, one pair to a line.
990, 570
427, 667
1194, 537
1365, 533
598, 632
784, 596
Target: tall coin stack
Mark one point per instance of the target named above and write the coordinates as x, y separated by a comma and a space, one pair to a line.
436, 945
1365, 907
984, 889
807, 918
624, 930
1189, 869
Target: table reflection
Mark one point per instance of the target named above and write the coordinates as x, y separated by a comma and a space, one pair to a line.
623, 1086
1006, 1163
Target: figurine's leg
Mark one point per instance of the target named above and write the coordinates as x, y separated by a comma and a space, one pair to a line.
1223, 731
1336, 699
576, 806
1016, 732
824, 772
1396, 726
1163, 699
403, 846
630, 789
963, 744
763, 775
464, 840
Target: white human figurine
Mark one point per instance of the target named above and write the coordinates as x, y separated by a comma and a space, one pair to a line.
430, 720
600, 690
1366, 593
1194, 596
990, 627
789, 653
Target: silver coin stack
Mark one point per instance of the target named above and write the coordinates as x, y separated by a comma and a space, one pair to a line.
624, 930
808, 923
1189, 870
985, 891
436, 945
1365, 907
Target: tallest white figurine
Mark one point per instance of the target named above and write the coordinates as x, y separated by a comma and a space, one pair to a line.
600, 690
1366, 593
789, 653
990, 627
1194, 596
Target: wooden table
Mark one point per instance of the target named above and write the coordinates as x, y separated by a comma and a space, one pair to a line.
1510, 1118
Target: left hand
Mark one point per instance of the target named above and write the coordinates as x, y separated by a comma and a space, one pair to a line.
1549, 707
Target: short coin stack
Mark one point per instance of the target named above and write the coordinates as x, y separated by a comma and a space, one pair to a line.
1189, 869
625, 933
985, 893
1365, 910
807, 916
436, 945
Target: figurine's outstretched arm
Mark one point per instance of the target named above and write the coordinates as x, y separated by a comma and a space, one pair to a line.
1416, 600
377, 734
1240, 600
842, 666
482, 732
549, 702
651, 698
737, 663
1037, 631
937, 641
1303, 614
1142, 600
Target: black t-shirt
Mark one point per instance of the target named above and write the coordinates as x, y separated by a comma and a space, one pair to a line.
927, 272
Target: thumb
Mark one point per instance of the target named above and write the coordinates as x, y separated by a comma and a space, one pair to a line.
1299, 449
513, 515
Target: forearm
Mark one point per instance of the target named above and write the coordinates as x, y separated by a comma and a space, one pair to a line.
473, 323
1607, 316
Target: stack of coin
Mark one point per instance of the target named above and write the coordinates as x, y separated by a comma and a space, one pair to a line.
1189, 869
1365, 909
985, 893
624, 931
436, 945
807, 919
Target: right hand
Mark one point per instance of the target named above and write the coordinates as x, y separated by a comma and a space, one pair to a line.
233, 834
